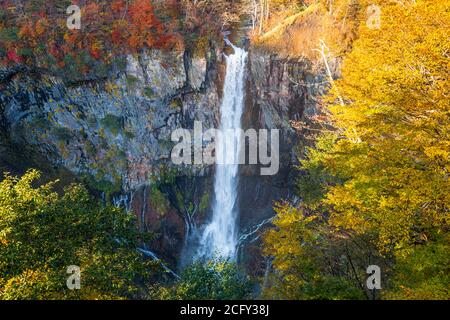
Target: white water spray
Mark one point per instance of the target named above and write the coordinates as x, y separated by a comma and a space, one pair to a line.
220, 236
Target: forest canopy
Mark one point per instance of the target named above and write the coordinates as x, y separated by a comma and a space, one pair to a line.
36, 34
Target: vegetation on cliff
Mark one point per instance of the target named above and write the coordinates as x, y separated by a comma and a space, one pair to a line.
35, 33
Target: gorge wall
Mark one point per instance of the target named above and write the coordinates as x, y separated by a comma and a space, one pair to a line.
115, 135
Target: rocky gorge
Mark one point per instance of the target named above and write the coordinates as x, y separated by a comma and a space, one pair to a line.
114, 134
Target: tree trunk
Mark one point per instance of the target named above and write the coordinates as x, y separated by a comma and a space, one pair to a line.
261, 19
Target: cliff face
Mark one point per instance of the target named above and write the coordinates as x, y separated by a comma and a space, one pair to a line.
116, 134
279, 91
116, 130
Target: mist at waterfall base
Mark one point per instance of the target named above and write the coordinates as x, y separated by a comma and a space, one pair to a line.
218, 238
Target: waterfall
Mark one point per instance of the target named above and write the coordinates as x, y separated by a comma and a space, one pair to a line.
219, 237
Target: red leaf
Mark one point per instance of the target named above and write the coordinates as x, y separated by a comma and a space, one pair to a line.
95, 54
14, 57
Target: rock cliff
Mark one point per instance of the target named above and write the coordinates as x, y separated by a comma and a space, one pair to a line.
114, 134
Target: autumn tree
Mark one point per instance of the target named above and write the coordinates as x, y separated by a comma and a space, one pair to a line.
35, 33
42, 233
381, 179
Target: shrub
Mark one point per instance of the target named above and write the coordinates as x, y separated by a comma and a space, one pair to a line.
216, 279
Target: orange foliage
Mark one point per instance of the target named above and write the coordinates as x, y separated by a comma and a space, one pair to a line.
108, 29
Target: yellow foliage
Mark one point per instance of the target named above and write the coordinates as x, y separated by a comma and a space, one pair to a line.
383, 176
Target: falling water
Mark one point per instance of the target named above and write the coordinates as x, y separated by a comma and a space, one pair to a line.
219, 238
